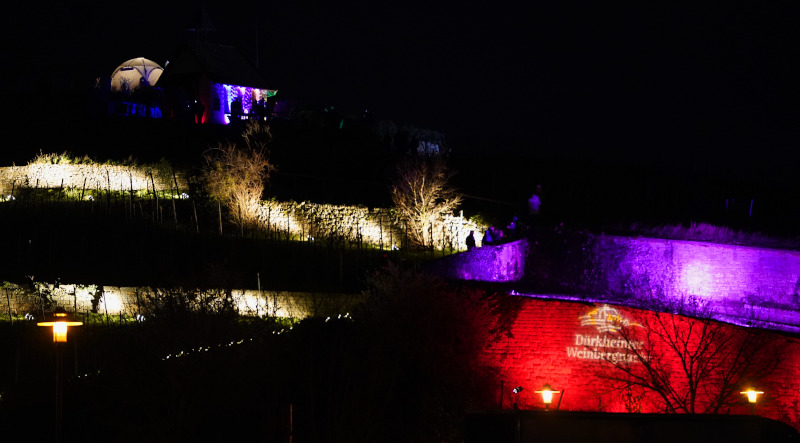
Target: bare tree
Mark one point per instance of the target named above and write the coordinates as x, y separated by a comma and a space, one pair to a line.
686, 363
235, 176
422, 194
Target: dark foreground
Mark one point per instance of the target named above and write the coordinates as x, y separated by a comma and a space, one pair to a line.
563, 426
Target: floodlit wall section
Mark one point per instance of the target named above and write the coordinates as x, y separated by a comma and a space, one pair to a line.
737, 283
379, 227
496, 263
567, 345
708, 271
376, 226
101, 177
130, 301
733, 280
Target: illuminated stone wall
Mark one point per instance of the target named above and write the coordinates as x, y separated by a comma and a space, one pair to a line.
563, 343
497, 263
704, 270
375, 226
735, 280
115, 300
102, 177
738, 284
370, 226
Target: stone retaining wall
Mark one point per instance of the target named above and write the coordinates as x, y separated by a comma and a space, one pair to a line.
552, 342
494, 263
706, 271
376, 226
97, 177
115, 301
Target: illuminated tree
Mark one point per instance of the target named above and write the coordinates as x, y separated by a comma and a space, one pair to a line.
235, 176
687, 363
422, 194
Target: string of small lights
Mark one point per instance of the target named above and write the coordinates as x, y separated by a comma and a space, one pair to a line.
239, 342
204, 349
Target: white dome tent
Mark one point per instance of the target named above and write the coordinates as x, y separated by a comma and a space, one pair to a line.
135, 73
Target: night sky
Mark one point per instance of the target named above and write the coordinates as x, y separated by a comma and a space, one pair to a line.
697, 83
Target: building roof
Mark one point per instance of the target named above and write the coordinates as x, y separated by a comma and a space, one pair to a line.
220, 63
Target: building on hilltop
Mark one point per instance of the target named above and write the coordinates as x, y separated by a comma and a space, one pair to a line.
132, 91
135, 74
212, 83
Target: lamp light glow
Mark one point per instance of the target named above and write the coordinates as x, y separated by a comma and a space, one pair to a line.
547, 394
60, 331
60, 325
752, 395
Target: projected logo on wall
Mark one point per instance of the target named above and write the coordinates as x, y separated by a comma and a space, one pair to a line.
605, 343
606, 319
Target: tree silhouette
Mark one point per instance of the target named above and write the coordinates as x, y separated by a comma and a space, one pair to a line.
681, 360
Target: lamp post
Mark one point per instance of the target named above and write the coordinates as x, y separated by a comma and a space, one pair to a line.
547, 395
60, 325
516, 392
752, 398
518, 430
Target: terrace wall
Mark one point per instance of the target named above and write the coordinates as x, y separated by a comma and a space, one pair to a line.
379, 227
549, 342
375, 226
704, 270
129, 301
738, 283
736, 280
100, 177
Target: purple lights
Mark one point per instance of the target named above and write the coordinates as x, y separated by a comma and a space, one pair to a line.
232, 102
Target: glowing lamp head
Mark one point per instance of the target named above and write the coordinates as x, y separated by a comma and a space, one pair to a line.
752, 395
60, 325
517, 390
547, 393
60, 332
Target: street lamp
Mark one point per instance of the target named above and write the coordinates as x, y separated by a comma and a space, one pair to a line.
60, 325
547, 395
752, 395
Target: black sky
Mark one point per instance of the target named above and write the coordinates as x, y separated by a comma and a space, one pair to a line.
705, 82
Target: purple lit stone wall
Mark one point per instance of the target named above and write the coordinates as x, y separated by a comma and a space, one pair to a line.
739, 283
706, 271
499, 263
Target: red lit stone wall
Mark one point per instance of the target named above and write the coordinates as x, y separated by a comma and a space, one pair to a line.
548, 345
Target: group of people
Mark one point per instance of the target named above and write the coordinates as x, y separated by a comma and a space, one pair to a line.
513, 231
495, 235
259, 110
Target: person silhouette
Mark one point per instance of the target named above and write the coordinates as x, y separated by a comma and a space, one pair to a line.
470, 240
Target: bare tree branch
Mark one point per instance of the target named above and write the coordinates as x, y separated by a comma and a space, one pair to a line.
422, 194
689, 364
235, 176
